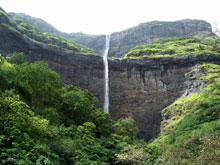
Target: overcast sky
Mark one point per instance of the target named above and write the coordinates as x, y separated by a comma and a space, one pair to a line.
107, 16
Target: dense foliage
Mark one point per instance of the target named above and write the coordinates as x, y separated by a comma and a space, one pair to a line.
175, 47
44, 121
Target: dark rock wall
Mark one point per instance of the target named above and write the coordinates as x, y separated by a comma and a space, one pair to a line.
80, 70
138, 89
142, 89
95, 42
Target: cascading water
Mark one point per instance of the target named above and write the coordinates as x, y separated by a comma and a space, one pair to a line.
106, 75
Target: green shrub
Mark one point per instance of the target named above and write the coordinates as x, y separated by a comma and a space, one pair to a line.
16, 58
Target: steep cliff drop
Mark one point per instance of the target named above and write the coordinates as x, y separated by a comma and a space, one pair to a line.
106, 72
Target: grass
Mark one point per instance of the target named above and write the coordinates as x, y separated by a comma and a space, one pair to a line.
52, 40
174, 47
190, 130
10, 28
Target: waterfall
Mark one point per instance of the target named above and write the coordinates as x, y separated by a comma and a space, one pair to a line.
106, 75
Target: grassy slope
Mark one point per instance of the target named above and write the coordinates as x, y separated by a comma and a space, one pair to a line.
52, 40
175, 47
190, 131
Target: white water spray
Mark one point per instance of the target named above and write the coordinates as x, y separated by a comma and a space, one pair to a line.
106, 74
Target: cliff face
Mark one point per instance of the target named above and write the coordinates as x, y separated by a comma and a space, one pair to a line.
95, 42
147, 32
138, 88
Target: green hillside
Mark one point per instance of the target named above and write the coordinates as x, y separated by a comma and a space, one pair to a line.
175, 47
28, 31
190, 131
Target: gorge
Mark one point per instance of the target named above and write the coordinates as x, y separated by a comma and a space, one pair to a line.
139, 89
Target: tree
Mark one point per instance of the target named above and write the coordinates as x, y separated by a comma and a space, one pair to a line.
78, 104
16, 58
41, 83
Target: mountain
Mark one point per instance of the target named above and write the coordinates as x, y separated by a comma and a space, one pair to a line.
94, 42
121, 42
37, 22
15, 30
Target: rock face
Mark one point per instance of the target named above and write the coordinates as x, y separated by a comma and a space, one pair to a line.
95, 42
147, 32
122, 41
141, 89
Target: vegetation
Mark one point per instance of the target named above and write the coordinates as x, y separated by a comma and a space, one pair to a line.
16, 58
175, 47
51, 40
44, 121
191, 129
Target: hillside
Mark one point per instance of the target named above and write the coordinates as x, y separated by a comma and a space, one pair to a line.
27, 32
175, 47
190, 128
95, 42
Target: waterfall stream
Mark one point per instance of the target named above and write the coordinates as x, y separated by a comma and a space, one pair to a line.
106, 75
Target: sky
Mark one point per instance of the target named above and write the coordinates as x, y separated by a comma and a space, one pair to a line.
107, 16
